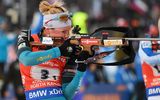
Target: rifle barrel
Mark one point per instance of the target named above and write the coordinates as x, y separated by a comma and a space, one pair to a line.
143, 39
137, 39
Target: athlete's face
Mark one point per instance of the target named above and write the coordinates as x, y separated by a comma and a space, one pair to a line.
57, 32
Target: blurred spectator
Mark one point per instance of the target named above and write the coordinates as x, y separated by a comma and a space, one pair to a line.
8, 2
139, 6
80, 18
122, 22
12, 74
7, 50
110, 72
13, 78
126, 76
153, 31
93, 75
97, 9
88, 79
155, 12
4, 44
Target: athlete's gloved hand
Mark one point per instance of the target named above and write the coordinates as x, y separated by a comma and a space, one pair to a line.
67, 49
76, 29
23, 43
84, 55
23, 39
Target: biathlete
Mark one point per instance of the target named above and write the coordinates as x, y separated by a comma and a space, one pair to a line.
150, 60
41, 64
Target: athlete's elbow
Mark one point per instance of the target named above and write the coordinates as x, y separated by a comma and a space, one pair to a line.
25, 63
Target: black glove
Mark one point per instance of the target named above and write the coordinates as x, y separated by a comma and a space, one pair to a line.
67, 49
84, 55
76, 29
74, 55
23, 43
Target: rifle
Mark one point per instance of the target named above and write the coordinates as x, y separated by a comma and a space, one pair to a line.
118, 37
107, 37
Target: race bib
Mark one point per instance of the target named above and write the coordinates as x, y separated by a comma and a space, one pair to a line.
41, 73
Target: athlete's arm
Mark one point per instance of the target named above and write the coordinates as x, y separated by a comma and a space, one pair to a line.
29, 58
70, 89
146, 53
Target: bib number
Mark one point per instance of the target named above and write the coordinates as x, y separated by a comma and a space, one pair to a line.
40, 73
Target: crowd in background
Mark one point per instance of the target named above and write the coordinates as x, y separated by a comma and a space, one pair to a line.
141, 15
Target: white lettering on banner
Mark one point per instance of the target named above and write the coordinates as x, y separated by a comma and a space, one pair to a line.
155, 82
38, 85
50, 63
37, 94
42, 84
55, 91
154, 91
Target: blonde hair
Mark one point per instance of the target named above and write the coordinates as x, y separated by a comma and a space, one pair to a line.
46, 8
